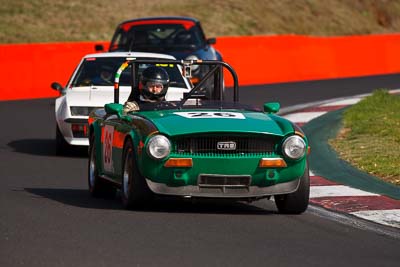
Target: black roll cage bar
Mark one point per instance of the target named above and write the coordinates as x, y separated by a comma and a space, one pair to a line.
218, 67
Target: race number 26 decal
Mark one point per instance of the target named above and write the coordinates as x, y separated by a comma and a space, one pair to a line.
211, 115
107, 148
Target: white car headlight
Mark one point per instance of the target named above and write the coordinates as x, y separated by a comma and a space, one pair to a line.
294, 147
158, 147
80, 111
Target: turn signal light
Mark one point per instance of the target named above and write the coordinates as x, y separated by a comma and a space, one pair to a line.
179, 162
272, 163
194, 80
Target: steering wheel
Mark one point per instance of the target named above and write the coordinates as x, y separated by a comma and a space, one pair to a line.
165, 104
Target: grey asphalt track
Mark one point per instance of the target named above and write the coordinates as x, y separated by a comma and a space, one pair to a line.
294, 93
49, 219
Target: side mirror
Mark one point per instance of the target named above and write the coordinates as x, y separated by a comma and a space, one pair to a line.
58, 87
113, 108
211, 41
99, 48
272, 107
116, 109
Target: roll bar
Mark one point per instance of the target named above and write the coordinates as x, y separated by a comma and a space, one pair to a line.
217, 69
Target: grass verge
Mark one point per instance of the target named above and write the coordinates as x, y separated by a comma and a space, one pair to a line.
370, 136
32, 21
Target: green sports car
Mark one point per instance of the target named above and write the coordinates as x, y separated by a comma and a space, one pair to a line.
199, 147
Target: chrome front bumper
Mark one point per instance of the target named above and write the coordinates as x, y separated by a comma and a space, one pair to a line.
224, 191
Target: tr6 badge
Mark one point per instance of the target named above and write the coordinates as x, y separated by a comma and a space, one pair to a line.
226, 145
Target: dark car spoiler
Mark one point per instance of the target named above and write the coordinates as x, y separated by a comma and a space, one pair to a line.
216, 69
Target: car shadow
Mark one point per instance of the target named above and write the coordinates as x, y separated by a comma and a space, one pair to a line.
74, 197
81, 198
45, 147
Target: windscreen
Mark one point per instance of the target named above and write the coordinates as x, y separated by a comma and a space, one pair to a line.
100, 71
200, 104
159, 38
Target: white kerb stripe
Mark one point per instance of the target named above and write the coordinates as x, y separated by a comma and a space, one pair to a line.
350, 101
386, 217
337, 191
303, 116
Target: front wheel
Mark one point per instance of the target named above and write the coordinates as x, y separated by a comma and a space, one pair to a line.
97, 186
296, 202
135, 192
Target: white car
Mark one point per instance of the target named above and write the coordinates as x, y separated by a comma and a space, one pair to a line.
91, 86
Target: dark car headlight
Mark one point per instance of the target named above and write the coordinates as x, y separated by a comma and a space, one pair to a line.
294, 147
158, 147
195, 67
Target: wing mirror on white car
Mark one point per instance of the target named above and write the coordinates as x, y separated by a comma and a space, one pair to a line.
58, 87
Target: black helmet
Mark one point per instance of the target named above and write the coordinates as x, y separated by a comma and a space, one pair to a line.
156, 75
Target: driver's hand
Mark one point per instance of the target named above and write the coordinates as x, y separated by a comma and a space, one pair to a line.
131, 106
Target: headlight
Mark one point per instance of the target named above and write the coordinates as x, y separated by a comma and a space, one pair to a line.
158, 147
294, 147
81, 111
195, 67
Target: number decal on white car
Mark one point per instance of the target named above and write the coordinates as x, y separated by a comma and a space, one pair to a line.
211, 115
107, 148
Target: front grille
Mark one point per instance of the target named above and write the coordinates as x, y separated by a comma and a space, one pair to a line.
225, 145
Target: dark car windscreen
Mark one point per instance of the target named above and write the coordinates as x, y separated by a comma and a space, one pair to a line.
158, 38
101, 71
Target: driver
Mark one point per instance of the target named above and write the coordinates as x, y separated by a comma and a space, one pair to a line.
105, 76
153, 87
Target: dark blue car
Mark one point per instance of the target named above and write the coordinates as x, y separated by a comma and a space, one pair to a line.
181, 37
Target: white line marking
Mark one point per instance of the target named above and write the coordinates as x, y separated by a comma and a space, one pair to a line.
350, 101
337, 191
386, 217
303, 116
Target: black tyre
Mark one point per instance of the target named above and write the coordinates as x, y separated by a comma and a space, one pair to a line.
296, 202
134, 190
62, 147
97, 186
